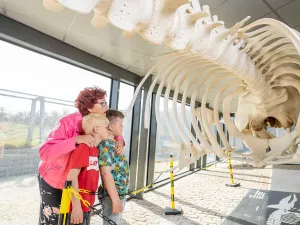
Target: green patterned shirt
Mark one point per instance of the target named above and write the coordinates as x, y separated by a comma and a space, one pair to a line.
118, 164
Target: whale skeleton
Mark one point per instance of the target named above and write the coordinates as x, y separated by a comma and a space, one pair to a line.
257, 64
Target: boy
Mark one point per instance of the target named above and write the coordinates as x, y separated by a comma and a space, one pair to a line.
84, 168
114, 171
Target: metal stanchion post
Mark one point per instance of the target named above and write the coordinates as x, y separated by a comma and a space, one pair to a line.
172, 210
65, 204
232, 184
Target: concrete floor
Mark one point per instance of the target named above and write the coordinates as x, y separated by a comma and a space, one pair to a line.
202, 195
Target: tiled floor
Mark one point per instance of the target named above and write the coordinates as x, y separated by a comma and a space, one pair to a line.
203, 197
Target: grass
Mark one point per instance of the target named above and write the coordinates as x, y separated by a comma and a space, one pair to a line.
15, 135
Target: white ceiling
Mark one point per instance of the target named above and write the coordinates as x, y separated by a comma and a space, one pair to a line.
135, 54
75, 29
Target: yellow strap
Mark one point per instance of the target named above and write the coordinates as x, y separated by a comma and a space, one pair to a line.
142, 189
78, 196
65, 201
84, 191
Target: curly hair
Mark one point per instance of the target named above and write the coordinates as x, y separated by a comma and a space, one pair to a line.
87, 98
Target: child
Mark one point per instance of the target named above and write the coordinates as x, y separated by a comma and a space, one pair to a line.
84, 168
114, 170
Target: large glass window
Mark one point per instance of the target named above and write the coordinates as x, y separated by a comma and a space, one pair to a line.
277, 132
35, 92
161, 155
125, 97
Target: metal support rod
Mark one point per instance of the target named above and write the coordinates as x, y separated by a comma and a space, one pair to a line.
199, 163
172, 183
232, 184
143, 147
32, 117
42, 119
134, 142
230, 170
204, 162
114, 94
172, 210
152, 143
65, 204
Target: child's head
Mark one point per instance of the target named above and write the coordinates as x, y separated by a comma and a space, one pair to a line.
96, 125
115, 121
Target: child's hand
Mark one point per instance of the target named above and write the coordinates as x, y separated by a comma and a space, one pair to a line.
120, 147
117, 206
77, 215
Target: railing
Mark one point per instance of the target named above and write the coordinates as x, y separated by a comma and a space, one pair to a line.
34, 99
19, 140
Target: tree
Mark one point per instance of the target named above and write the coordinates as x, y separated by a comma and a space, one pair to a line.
3, 114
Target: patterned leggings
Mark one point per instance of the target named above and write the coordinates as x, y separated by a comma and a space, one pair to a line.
50, 203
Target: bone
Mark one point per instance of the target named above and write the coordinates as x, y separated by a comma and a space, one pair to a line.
161, 21
259, 61
163, 58
181, 76
274, 45
279, 63
194, 122
255, 144
216, 112
207, 70
281, 27
183, 27
127, 14
161, 66
217, 148
99, 19
169, 6
53, 5
162, 75
282, 71
270, 57
166, 96
219, 151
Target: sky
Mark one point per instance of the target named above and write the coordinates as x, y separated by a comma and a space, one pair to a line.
25, 71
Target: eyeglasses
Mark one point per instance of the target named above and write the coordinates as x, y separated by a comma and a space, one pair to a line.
103, 104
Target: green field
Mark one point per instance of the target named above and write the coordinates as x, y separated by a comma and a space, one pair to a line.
15, 135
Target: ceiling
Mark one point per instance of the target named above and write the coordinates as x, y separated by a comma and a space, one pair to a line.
135, 54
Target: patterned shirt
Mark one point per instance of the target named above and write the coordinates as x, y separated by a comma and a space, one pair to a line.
118, 164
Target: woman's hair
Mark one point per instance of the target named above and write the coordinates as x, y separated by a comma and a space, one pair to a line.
87, 98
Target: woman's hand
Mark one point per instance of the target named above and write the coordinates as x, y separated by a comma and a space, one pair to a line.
120, 147
86, 139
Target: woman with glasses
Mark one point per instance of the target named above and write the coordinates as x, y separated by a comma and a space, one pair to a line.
56, 151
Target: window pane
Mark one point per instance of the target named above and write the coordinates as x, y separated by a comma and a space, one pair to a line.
161, 156
125, 96
49, 88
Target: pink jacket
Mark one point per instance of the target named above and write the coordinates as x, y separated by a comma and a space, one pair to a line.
56, 151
